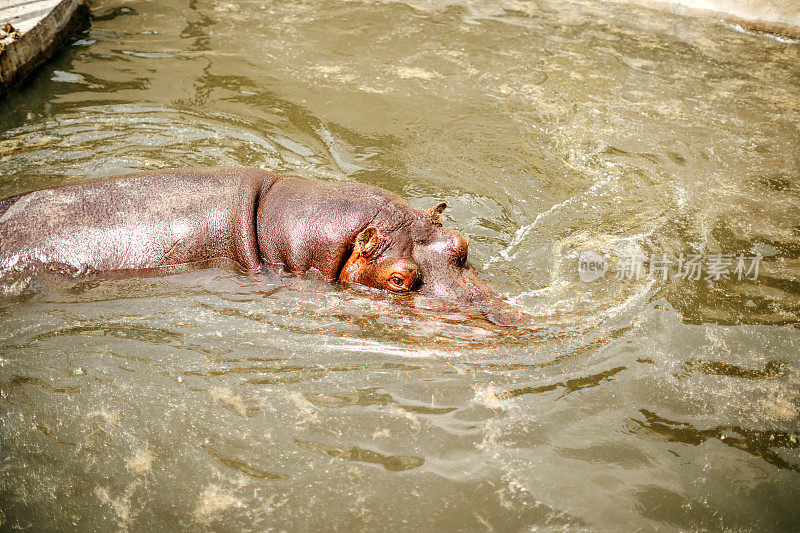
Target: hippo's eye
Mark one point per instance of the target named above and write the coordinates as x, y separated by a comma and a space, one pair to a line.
397, 283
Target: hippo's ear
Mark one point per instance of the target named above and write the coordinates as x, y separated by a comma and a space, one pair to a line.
367, 241
435, 211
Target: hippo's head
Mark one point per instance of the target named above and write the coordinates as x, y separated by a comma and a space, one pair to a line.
419, 255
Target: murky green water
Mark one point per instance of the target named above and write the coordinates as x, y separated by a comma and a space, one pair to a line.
550, 128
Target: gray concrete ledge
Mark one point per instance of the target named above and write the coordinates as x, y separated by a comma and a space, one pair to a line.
779, 17
37, 29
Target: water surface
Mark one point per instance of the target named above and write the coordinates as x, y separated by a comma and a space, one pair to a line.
549, 128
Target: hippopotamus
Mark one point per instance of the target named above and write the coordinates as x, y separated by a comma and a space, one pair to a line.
159, 222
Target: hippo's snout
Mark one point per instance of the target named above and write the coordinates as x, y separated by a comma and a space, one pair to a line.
463, 284
486, 299
502, 314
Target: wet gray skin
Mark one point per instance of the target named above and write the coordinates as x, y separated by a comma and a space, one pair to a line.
412, 247
449, 276
198, 217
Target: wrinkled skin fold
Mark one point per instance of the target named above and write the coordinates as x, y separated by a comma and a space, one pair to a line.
168, 221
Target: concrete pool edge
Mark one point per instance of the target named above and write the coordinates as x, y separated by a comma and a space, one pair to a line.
39, 36
780, 18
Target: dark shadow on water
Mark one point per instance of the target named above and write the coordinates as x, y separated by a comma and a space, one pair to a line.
393, 463
760, 443
244, 467
569, 386
772, 369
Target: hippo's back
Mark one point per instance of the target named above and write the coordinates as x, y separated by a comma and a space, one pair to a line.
152, 220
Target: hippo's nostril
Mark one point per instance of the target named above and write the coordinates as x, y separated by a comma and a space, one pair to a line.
460, 242
460, 249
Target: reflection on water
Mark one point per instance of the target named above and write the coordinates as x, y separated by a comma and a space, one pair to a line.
211, 399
